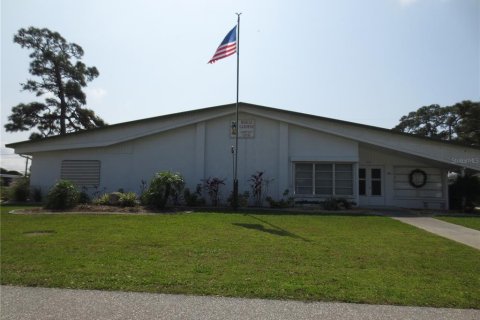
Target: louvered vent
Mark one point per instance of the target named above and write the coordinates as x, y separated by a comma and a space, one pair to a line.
83, 173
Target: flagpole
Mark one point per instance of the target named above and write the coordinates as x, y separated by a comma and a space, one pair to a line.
235, 173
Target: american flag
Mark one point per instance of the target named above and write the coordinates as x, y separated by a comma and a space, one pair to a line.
227, 47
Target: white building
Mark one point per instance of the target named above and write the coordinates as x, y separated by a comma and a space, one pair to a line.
313, 157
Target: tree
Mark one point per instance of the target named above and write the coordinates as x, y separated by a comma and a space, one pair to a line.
464, 192
61, 78
460, 122
5, 171
467, 127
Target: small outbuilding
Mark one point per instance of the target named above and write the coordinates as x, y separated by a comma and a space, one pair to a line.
313, 157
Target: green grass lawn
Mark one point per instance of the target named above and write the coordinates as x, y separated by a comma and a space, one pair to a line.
469, 222
356, 259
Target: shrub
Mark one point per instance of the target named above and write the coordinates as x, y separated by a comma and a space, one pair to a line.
36, 194
97, 192
259, 186
114, 198
256, 183
285, 202
162, 186
242, 199
84, 198
19, 190
465, 192
4, 193
128, 199
103, 200
213, 189
63, 195
194, 199
336, 204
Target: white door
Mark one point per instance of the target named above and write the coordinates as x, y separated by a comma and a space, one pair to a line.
371, 185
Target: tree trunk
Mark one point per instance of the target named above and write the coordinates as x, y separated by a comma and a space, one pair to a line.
63, 104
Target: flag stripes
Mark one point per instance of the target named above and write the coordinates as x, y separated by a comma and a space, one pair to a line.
227, 47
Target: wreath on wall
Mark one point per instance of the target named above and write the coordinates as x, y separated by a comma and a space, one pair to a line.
417, 178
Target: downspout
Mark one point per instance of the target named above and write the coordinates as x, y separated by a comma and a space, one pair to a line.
26, 163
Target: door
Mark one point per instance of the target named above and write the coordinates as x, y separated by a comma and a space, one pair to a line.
371, 186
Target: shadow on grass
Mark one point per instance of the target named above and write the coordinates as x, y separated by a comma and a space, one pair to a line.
275, 230
287, 212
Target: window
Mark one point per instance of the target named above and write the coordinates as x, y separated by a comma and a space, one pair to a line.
324, 179
303, 178
376, 182
83, 173
343, 179
362, 182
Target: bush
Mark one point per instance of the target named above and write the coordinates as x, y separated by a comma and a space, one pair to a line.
259, 186
128, 199
194, 199
256, 183
4, 193
162, 186
336, 204
285, 202
84, 198
19, 190
36, 194
242, 199
103, 200
280, 204
114, 198
63, 195
213, 189
465, 192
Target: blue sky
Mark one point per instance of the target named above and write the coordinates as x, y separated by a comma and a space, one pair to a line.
363, 61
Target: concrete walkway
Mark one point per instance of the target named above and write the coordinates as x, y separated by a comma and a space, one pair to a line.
43, 303
451, 231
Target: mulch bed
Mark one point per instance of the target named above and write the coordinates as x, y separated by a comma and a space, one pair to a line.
97, 209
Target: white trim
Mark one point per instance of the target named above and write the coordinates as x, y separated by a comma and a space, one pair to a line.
313, 186
325, 159
428, 149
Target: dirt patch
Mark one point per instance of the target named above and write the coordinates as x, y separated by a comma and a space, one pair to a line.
35, 233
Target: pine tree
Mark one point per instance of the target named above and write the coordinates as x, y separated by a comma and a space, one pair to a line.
60, 76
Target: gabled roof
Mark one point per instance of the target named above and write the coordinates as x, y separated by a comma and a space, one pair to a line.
438, 150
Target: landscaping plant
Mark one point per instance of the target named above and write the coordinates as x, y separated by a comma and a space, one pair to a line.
128, 199
259, 186
103, 200
162, 187
256, 183
19, 190
193, 199
36, 194
213, 189
464, 192
242, 199
63, 195
285, 202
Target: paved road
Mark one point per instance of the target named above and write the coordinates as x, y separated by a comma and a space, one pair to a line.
444, 229
43, 303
